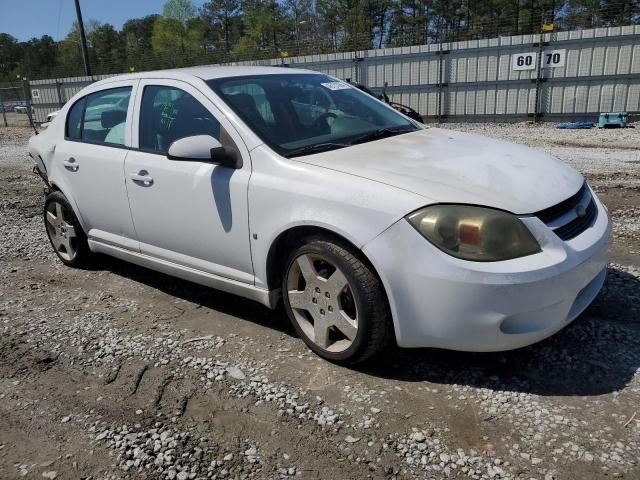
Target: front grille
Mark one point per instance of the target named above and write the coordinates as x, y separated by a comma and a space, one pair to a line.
579, 224
576, 224
551, 213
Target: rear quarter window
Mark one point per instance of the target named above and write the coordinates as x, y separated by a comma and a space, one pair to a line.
74, 120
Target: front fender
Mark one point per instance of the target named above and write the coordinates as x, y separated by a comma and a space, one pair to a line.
284, 194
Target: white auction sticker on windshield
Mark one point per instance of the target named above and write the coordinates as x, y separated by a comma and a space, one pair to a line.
335, 85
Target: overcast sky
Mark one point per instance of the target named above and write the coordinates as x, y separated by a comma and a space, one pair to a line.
25, 19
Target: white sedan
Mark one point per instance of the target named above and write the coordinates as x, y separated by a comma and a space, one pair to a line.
276, 183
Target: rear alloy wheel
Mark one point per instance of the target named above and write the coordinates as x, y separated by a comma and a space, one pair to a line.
335, 302
64, 231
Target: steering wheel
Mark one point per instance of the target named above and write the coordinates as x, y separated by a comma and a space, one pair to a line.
321, 98
321, 121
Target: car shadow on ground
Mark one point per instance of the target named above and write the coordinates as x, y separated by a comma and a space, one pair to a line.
210, 298
598, 353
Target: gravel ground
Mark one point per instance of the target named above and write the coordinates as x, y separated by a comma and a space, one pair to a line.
119, 372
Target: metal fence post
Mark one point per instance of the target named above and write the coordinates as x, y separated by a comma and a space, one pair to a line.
441, 82
26, 91
363, 73
4, 115
440, 58
356, 66
539, 80
61, 102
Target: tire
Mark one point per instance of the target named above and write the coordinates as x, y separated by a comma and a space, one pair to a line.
65, 232
312, 303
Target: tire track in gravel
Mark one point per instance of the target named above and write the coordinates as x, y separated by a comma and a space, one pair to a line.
83, 398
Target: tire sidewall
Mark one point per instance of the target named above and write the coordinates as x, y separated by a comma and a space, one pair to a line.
82, 247
317, 247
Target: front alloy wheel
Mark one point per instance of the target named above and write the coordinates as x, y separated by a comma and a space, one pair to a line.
335, 302
322, 302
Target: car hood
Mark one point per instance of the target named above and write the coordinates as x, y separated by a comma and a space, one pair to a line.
446, 166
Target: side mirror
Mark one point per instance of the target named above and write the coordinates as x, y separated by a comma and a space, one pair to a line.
204, 148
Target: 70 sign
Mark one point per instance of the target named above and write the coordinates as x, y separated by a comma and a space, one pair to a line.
550, 59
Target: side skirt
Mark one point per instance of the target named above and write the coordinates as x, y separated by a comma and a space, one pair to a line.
269, 298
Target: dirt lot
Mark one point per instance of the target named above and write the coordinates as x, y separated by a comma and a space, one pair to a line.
120, 372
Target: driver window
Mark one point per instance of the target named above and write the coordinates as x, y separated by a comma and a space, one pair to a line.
252, 100
168, 114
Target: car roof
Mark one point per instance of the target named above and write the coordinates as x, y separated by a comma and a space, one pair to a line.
206, 73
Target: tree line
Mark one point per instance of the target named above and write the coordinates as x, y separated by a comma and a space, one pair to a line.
231, 30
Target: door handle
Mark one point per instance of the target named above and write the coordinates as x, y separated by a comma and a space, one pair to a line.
142, 177
71, 164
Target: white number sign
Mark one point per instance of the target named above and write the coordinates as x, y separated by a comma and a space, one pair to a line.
550, 59
524, 61
35, 93
553, 58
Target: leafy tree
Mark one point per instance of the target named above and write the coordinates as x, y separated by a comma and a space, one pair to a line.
178, 36
304, 26
180, 10
107, 50
223, 20
69, 50
10, 53
333, 14
39, 55
601, 13
137, 35
265, 30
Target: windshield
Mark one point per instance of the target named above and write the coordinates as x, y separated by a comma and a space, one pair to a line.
299, 114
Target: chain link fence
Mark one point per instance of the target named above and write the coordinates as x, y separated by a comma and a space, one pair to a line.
554, 76
15, 106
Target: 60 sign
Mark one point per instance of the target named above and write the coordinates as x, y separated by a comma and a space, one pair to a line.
525, 60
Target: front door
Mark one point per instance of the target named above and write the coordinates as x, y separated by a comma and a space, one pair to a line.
91, 159
192, 214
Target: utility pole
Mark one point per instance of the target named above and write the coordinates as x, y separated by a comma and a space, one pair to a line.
83, 40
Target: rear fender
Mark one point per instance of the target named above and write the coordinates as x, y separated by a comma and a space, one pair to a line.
63, 188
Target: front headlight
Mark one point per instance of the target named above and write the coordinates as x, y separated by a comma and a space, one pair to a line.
475, 233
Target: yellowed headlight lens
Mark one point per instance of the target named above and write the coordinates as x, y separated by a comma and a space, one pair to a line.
475, 233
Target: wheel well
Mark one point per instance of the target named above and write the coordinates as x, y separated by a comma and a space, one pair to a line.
291, 239
287, 241
53, 187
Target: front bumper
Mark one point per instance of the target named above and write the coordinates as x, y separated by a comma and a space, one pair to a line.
440, 301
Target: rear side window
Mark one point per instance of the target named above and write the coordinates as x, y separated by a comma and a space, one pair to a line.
74, 120
168, 114
105, 116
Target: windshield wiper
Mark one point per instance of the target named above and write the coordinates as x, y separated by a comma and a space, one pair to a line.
381, 133
317, 148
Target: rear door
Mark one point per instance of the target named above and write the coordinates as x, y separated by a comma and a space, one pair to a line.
91, 161
193, 214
